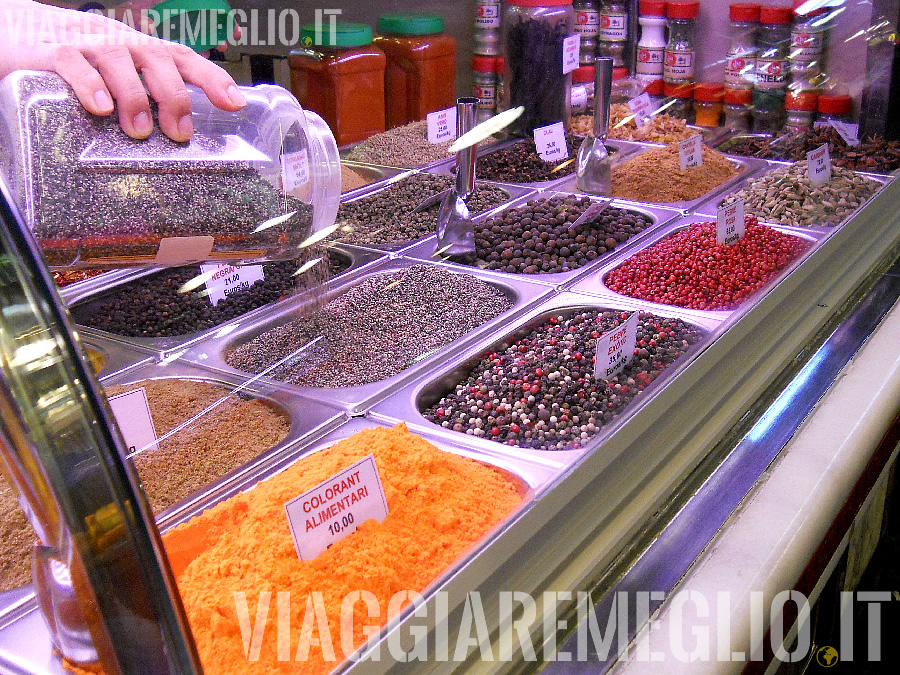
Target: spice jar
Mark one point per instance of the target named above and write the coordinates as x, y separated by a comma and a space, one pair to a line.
484, 76
613, 32
834, 108
587, 25
737, 109
652, 45
808, 46
708, 103
486, 35
771, 68
421, 66
800, 107
740, 61
681, 100
343, 80
680, 52
582, 99
534, 33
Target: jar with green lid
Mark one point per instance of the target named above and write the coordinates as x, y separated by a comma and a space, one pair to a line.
340, 74
421, 66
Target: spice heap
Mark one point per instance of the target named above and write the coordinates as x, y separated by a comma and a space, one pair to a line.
520, 163
406, 147
538, 238
662, 128
387, 216
874, 155
16, 540
375, 330
539, 392
787, 196
350, 179
439, 504
67, 277
689, 269
656, 176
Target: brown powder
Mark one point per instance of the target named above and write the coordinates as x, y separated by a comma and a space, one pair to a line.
16, 540
350, 180
656, 176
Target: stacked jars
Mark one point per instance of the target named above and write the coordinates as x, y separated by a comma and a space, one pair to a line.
808, 48
484, 76
800, 107
678, 69
613, 35
587, 25
772, 68
740, 61
487, 32
651, 48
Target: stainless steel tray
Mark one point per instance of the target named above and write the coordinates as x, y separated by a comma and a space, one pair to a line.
344, 152
407, 403
116, 357
211, 352
426, 249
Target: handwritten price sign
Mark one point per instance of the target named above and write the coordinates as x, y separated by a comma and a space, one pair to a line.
730, 223
551, 142
690, 152
818, 165
615, 349
441, 125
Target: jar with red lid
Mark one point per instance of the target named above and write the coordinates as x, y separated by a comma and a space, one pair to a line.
740, 61
708, 102
484, 78
808, 44
800, 107
737, 109
681, 100
339, 74
681, 53
834, 108
651, 48
421, 66
582, 98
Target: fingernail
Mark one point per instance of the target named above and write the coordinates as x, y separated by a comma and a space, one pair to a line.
186, 126
143, 125
235, 96
103, 101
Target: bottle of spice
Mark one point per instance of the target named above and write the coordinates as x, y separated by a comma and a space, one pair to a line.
740, 61
484, 77
800, 107
808, 46
708, 101
680, 53
613, 31
772, 68
583, 90
837, 108
587, 25
681, 99
341, 80
651, 47
534, 32
487, 35
421, 66
737, 109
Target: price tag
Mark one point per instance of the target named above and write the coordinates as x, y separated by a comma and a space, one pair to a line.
294, 169
615, 349
441, 125
690, 152
730, 223
641, 107
551, 142
132, 413
849, 132
335, 507
228, 279
571, 53
818, 165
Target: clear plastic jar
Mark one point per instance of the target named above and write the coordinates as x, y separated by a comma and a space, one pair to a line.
737, 110
534, 31
587, 25
740, 61
582, 99
680, 51
651, 48
808, 45
487, 34
774, 39
623, 88
484, 77
613, 31
681, 99
800, 108
835, 107
708, 104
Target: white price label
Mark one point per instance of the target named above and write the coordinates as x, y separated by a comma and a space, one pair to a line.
294, 169
641, 107
551, 142
818, 165
730, 223
615, 349
849, 132
228, 279
690, 152
335, 507
132, 413
571, 53
442, 125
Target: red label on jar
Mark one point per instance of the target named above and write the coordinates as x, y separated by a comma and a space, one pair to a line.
650, 60
679, 65
771, 73
739, 70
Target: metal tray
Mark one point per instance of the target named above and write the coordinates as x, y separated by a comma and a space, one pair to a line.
114, 357
211, 352
374, 173
426, 249
407, 403
344, 152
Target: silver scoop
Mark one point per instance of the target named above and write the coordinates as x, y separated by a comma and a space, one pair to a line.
455, 232
593, 173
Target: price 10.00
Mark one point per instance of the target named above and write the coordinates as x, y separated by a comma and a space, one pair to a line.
341, 525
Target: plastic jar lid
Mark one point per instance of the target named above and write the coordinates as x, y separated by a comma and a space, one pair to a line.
217, 26
410, 24
742, 11
346, 35
816, 12
655, 88
583, 74
738, 96
678, 90
683, 9
709, 92
484, 64
775, 15
539, 3
801, 100
501, 64
652, 7
619, 74
836, 105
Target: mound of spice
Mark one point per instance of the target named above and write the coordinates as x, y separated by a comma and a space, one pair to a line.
520, 163
539, 392
375, 330
786, 195
66, 277
439, 505
406, 147
689, 269
656, 176
387, 217
351, 180
662, 128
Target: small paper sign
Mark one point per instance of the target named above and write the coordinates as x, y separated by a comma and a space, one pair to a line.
730, 223
441, 125
849, 132
132, 413
690, 152
571, 53
615, 349
294, 169
551, 142
641, 107
818, 165
228, 279
335, 507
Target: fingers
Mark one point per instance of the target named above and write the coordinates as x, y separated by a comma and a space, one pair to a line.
75, 69
215, 82
116, 66
167, 88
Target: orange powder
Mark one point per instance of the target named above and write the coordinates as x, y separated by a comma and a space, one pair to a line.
440, 505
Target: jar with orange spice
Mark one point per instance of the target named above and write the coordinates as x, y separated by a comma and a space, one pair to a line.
339, 74
421, 66
708, 103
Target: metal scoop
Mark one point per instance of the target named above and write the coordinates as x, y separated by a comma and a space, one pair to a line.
593, 173
455, 232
